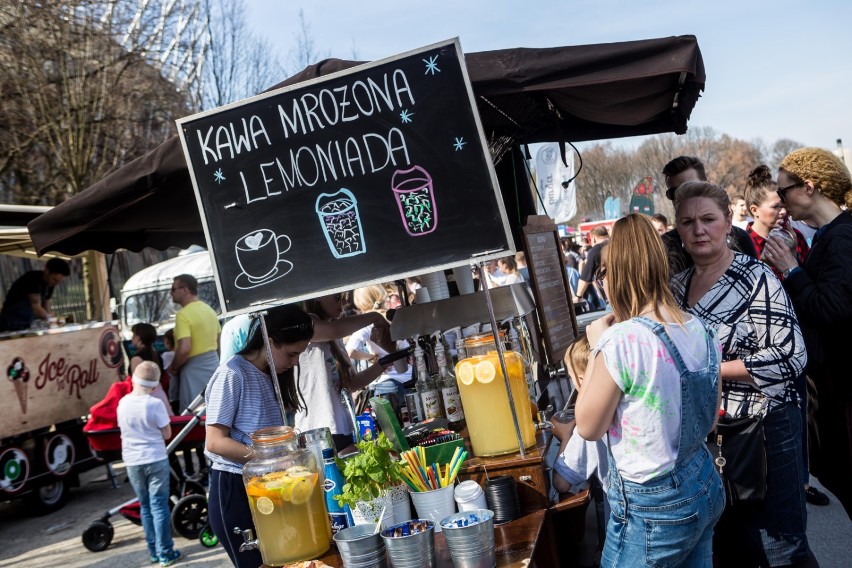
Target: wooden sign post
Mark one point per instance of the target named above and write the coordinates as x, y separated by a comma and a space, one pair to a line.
550, 285
372, 174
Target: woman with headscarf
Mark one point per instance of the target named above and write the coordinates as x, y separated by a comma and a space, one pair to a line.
816, 187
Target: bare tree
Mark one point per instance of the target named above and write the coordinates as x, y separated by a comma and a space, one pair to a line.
75, 103
305, 51
240, 64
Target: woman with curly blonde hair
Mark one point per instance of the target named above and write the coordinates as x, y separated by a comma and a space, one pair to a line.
815, 186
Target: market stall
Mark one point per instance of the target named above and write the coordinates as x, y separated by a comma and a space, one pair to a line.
272, 241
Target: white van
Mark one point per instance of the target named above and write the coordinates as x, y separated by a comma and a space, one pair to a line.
145, 297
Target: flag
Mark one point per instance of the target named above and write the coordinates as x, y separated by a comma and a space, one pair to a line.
556, 201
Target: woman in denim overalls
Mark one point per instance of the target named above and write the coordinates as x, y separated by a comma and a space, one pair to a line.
653, 388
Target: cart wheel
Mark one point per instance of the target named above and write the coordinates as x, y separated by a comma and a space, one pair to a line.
98, 536
190, 516
207, 537
48, 498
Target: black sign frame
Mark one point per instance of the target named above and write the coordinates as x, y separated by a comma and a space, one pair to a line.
550, 286
363, 197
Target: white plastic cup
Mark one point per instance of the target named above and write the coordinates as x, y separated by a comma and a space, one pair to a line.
434, 505
464, 279
421, 296
470, 496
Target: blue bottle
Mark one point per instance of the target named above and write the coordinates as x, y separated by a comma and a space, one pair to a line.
339, 516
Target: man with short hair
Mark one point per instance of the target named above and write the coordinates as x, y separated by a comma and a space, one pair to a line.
197, 334
599, 237
679, 171
29, 297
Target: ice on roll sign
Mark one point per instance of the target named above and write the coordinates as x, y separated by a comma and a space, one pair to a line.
370, 174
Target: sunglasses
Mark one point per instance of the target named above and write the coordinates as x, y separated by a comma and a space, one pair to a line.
600, 275
176, 288
782, 191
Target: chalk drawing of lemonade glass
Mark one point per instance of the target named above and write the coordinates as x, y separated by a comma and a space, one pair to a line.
341, 223
259, 255
415, 198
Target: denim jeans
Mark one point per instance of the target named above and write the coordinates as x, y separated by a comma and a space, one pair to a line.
151, 484
771, 533
667, 521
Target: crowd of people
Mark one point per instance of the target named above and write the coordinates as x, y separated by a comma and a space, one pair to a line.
716, 315
771, 309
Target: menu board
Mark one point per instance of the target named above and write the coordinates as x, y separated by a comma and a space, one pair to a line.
550, 286
372, 174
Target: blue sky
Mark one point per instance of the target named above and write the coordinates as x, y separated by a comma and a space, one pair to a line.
775, 69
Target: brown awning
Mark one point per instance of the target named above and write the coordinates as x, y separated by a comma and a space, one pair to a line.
576, 93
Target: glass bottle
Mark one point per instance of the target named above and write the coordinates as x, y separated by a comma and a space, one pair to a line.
338, 515
446, 381
285, 497
426, 388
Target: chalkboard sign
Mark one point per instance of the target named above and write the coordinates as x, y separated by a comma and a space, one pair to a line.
375, 173
550, 285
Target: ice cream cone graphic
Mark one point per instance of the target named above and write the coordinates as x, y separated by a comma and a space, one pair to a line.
20, 376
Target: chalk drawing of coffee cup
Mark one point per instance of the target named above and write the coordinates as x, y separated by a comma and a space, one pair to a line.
414, 196
341, 223
259, 255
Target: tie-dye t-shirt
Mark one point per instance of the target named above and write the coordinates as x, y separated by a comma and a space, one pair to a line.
645, 433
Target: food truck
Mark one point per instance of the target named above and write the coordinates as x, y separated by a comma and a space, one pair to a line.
274, 237
52, 375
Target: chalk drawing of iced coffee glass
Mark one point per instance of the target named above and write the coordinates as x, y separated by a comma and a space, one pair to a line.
412, 189
260, 256
341, 223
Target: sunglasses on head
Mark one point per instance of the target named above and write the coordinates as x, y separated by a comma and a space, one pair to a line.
303, 327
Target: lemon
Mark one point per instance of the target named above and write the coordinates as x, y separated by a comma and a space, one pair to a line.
485, 371
464, 373
302, 490
264, 505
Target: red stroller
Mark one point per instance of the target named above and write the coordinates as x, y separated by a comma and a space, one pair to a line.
188, 497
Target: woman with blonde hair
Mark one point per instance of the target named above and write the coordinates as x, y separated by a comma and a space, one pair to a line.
763, 354
815, 186
652, 386
374, 345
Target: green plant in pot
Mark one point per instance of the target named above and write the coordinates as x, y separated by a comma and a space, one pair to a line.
368, 476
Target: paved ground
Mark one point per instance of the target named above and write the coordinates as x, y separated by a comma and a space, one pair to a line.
55, 540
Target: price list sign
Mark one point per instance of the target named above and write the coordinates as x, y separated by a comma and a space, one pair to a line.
550, 286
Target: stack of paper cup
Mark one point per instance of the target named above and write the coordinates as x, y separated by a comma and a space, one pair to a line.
464, 279
436, 283
470, 496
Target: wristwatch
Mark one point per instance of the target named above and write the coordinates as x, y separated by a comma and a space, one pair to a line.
788, 272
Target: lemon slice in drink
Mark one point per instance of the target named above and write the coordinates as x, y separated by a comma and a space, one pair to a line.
264, 505
485, 371
303, 488
464, 373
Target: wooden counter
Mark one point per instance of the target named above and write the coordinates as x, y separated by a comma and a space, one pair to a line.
529, 472
515, 544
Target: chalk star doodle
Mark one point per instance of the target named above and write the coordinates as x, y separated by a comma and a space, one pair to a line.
459, 143
405, 116
431, 65
219, 176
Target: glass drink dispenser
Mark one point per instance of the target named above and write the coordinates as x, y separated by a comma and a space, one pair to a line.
286, 499
485, 401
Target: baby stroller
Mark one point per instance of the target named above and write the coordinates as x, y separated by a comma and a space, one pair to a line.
188, 497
